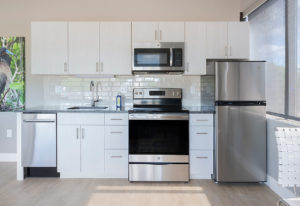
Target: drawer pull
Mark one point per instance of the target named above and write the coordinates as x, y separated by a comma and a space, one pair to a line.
115, 119
201, 133
202, 120
116, 132
117, 156
199, 157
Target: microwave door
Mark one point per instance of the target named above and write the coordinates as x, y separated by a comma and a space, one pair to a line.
152, 57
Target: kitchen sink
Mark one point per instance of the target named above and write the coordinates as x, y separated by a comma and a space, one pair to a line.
89, 108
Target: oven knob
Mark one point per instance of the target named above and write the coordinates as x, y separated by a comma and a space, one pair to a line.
140, 93
173, 94
178, 94
158, 158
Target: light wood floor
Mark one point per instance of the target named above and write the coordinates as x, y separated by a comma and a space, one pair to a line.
99, 192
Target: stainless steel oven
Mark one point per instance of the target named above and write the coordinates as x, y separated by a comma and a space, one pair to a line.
158, 57
158, 136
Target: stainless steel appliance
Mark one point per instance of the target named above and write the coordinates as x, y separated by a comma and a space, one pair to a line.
39, 140
158, 57
158, 136
240, 143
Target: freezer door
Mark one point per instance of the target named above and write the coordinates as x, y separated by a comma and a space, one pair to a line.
240, 146
240, 81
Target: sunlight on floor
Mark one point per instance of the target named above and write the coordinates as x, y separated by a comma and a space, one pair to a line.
148, 195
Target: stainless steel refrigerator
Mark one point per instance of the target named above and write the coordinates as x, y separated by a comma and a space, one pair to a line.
240, 140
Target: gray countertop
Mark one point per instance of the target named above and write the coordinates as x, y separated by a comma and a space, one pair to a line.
55, 109
201, 109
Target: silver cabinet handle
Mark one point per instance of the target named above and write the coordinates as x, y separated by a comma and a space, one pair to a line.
101, 66
199, 157
83, 133
202, 120
201, 133
77, 133
116, 132
171, 57
97, 66
115, 119
226, 51
160, 34
65, 67
116, 156
187, 67
155, 35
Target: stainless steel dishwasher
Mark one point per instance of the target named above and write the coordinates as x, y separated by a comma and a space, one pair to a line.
39, 140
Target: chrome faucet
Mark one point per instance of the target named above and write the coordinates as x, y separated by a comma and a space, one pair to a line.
92, 89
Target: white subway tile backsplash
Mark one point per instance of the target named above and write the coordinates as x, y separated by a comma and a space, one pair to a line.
74, 90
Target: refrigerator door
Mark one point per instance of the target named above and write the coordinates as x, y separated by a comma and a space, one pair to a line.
240, 81
240, 146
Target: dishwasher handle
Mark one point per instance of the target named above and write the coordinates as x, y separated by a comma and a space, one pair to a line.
38, 120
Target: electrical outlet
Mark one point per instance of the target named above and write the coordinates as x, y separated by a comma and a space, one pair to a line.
9, 133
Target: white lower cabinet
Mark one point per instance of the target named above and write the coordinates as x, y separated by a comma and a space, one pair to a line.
68, 149
116, 163
92, 150
201, 164
80, 150
88, 148
201, 146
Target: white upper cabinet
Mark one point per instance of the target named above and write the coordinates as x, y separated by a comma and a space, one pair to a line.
238, 40
49, 47
228, 40
158, 31
171, 31
216, 34
195, 48
144, 31
115, 48
84, 47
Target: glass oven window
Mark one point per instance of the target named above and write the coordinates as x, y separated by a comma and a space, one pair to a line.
163, 137
151, 57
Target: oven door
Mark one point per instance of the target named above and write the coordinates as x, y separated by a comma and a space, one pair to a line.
158, 137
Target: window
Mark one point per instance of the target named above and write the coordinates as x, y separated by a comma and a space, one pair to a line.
298, 63
267, 25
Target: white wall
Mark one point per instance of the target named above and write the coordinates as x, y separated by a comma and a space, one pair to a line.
246, 3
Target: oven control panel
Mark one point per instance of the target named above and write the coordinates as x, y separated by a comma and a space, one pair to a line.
157, 93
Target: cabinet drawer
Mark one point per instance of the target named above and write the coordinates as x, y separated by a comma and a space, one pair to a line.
201, 164
116, 163
80, 118
116, 119
116, 137
201, 137
201, 119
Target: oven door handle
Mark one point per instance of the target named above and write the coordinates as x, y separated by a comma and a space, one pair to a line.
163, 116
171, 57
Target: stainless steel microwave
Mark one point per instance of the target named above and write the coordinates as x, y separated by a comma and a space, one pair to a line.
158, 57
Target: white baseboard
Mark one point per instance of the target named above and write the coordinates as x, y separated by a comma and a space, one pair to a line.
278, 189
8, 157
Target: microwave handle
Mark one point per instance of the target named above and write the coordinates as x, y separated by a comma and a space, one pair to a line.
171, 57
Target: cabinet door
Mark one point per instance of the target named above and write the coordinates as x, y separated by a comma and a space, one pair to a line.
68, 150
116, 163
216, 35
171, 31
239, 40
116, 137
201, 164
201, 138
195, 48
84, 47
49, 47
115, 48
92, 150
144, 31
